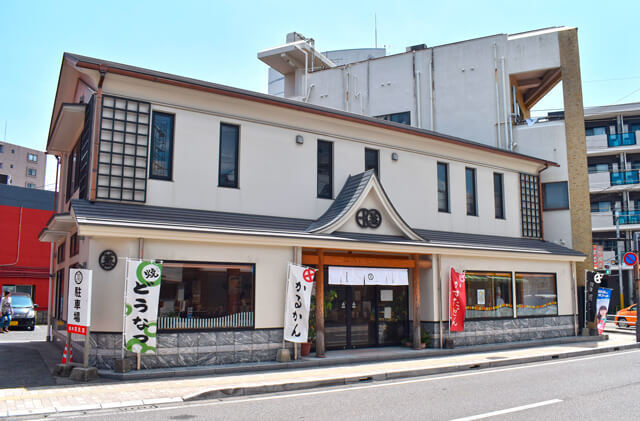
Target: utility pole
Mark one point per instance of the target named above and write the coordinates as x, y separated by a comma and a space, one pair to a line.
617, 215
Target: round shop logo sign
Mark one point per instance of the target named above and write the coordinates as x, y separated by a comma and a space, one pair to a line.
78, 277
108, 259
370, 276
149, 273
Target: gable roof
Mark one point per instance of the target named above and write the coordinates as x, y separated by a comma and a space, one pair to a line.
91, 63
354, 191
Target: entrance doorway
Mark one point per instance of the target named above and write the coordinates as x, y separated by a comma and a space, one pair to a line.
365, 315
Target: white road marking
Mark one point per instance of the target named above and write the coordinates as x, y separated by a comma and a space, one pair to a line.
509, 410
229, 401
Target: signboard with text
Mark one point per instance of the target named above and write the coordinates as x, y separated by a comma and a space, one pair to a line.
298, 303
457, 301
142, 292
79, 301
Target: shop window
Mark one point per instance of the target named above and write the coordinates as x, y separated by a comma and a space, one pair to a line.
199, 296
472, 201
555, 196
228, 158
536, 294
61, 253
530, 206
325, 169
74, 246
498, 194
443, 187
402, 118
161, 146
489, 295
372, 161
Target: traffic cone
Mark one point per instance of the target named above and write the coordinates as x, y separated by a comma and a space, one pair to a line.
64, 355
70, 352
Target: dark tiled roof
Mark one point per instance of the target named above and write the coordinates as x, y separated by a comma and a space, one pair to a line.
453, 239
349, 194
184, 217
143, 214
26, 197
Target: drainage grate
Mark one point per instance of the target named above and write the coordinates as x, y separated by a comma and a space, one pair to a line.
137, 408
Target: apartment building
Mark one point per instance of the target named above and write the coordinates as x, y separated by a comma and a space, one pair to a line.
20, 166
481, 89
613, 154
289, 181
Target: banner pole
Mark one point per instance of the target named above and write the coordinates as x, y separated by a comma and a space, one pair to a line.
124, 302
86, 348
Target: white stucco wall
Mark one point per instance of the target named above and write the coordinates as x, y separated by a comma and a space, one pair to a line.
270, 274
278, 177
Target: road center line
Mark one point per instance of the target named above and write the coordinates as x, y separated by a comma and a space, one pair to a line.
509, 410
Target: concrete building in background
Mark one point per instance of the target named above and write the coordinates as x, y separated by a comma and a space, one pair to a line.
483, 89
20, 166
613, 150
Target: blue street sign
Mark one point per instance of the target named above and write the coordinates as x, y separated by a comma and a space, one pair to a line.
630, 258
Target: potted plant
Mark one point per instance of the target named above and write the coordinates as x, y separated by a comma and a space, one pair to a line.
305, 347
425, 340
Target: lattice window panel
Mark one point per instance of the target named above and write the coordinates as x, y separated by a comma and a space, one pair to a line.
530, 205
124, 147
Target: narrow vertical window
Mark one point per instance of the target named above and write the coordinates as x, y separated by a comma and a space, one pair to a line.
325, 169
472, 205
228, 160
443, 187
161, 146
372, 161
498, 194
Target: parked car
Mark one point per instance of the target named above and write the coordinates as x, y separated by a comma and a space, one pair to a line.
627, 316
24, 311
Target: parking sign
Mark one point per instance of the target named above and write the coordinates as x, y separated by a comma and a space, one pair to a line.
79, 301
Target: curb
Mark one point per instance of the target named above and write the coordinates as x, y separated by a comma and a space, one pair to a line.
312, 362
343, 381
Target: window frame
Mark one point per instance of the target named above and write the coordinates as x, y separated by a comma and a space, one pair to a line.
169, 177
236, 183
330, 165
391, 116
514, 314
515, 286
74, 245
376, 169
501, 195
34, 170
213, 329
61, 252
544, 196
470, 170
446, 190
29, 155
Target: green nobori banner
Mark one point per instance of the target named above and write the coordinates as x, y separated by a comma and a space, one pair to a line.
142, 292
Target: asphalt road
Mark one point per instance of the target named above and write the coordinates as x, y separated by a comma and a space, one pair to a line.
604, 386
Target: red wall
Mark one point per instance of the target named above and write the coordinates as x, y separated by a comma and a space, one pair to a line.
32, 267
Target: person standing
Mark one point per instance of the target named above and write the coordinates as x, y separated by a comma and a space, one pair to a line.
7, 311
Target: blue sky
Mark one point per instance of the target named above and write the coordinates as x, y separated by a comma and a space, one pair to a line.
218, 41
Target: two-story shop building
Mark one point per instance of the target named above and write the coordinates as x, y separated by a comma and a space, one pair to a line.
227, 186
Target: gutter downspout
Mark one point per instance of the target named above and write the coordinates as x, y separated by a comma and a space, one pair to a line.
574, 304
546, 165
52, 259
96, 132
504, 103
306, 69
431, 87
495, 75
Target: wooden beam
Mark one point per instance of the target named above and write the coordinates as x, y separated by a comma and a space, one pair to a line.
549, 80
357, 261
417, 339
320, 347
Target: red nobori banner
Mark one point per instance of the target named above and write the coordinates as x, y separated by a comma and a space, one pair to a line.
457, 302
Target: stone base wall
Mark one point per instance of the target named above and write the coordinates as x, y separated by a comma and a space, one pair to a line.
502, 330
192, 348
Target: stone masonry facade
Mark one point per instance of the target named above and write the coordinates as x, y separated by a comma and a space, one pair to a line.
502, 330
186, 349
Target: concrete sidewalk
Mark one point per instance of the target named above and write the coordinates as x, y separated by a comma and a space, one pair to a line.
46, 400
